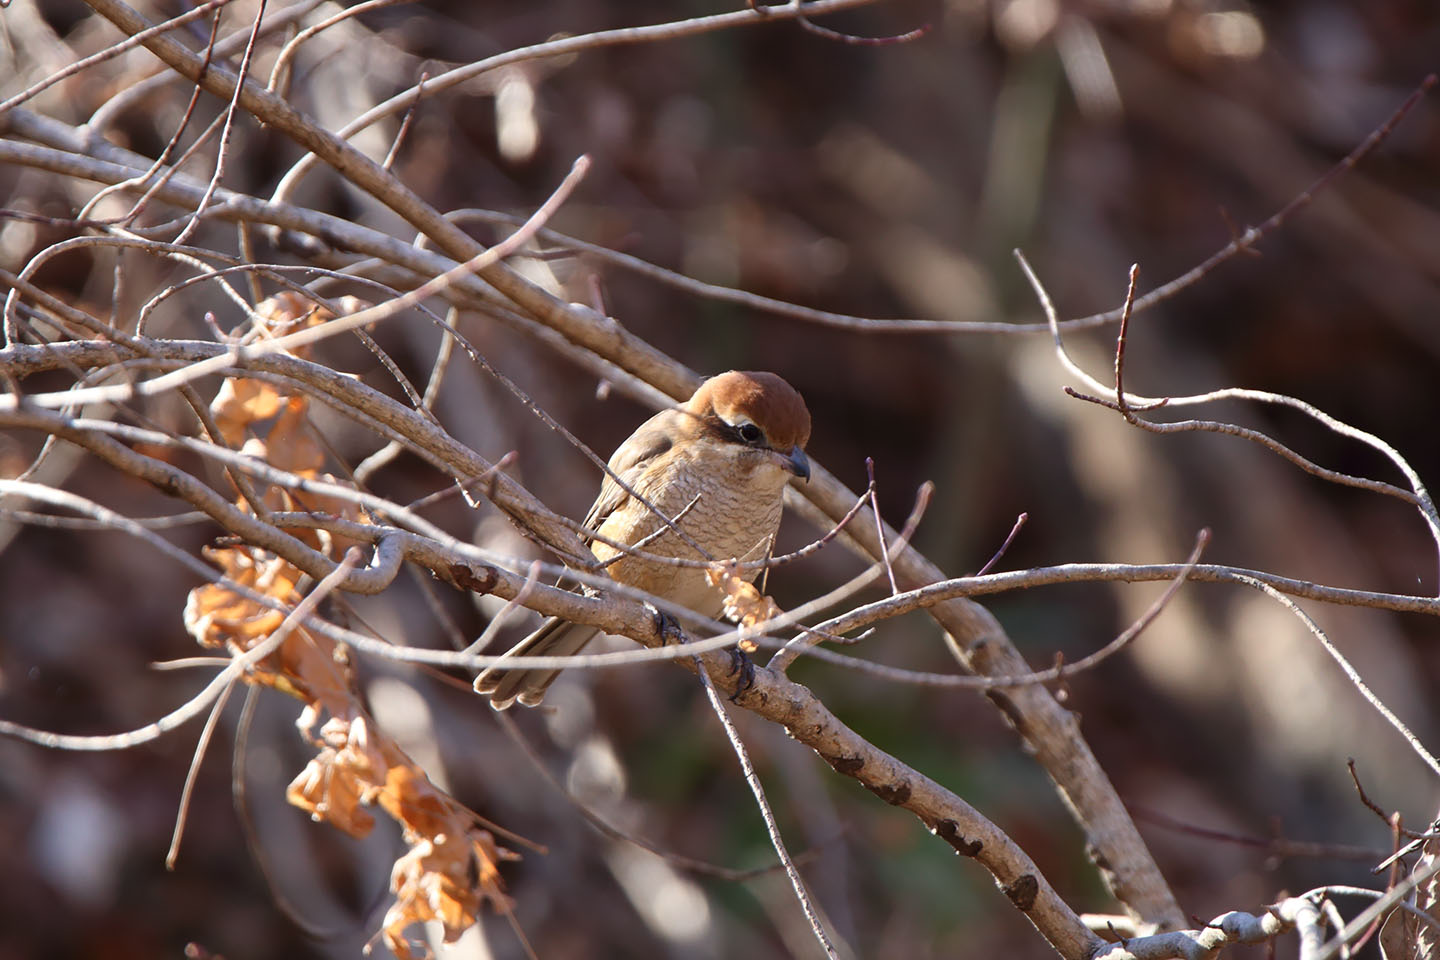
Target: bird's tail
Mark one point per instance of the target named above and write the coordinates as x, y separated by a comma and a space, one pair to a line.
555, 638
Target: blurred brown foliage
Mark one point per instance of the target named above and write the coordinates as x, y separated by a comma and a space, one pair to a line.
888, 181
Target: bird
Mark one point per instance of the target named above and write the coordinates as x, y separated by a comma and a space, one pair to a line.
716, 467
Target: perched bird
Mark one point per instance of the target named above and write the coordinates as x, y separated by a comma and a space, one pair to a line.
716, 466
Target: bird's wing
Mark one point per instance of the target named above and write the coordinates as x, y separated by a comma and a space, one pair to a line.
651, 439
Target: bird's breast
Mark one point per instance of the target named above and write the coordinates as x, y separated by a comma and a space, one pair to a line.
729, 513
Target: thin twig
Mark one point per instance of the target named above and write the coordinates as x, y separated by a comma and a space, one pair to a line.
1355, 679
405, 121
1271, 846
85, 523
771, 827
1120, 340
995, 558
849, 39
190, 775
367, 467
461, 485
260, 852
1253, 235
245, 240
187, 663
637, 549
880, 526
1331, 910
82, 218
287, 53
1060, 671
1374, 807
1417, 495
230, 112
830, 534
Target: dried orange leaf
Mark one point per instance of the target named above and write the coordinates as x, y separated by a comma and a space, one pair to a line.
341, 780
445, 879
220, 618
289, 312
291, 444
241, 402
328, 791
307, 665
743, 604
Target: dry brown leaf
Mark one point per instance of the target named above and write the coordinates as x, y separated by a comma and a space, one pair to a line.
744, 603
307, 665
446, 880
335, 785
219, 618
289, 312
241, 402
452, 867
327, 792
291, 444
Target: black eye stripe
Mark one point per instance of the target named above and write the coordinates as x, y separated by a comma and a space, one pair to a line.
745, 432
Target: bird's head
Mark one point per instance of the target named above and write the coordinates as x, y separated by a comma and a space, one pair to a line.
761, 413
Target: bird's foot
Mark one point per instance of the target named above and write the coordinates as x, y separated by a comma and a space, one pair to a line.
667, 628
741, 663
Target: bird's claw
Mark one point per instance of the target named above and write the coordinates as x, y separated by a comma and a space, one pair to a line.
667, 628
741, 663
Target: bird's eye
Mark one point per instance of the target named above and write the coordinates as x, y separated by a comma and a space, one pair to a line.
750, 433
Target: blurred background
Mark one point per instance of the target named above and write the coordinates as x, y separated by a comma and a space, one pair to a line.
886, 181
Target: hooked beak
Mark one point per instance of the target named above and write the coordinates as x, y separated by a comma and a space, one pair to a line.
799, 463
